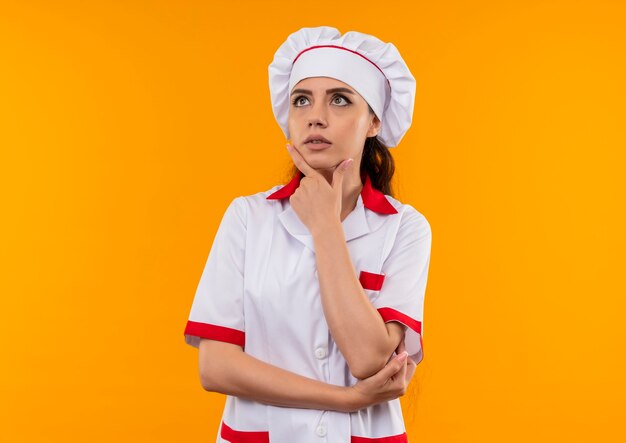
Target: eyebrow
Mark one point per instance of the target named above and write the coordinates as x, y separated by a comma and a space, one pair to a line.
328, 91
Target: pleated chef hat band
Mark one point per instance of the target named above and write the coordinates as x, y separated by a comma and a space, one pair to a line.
348, 66
373, 68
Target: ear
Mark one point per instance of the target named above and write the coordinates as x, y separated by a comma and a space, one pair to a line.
375, 126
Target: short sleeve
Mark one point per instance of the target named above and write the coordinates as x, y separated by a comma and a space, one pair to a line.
401, 297
217, 308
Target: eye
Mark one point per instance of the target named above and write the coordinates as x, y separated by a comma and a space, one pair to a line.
296, 100
341, 97
297, 103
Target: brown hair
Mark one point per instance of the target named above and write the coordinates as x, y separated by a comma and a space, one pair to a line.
376, 161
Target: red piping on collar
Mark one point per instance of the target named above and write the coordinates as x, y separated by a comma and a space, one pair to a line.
373, 199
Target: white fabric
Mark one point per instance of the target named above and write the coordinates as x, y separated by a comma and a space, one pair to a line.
260, 279
352, 69
372, 67
223, 274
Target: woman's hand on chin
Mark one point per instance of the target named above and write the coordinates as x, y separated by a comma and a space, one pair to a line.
317, 202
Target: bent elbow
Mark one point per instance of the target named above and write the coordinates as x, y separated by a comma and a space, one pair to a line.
208, 382
213, 357
212, 384
367, 368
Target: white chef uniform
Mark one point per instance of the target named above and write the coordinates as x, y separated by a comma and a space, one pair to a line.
259, 289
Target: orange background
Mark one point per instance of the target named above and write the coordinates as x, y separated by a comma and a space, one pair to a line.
126, 128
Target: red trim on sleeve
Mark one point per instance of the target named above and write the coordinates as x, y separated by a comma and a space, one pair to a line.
400, 438
233, 436
214, 332
390, 314
371, 280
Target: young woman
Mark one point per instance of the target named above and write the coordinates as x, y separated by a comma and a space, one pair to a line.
311, 288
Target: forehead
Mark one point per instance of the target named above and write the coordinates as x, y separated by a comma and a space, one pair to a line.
321, 83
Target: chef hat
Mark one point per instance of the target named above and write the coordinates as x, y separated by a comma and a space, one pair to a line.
372, 67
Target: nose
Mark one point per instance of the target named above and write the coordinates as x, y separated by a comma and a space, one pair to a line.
317, 115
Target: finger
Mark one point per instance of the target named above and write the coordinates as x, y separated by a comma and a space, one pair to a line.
398, 364
391, 368
401, 382
410, 362
410, 370
401, 374
339, 173
300, 162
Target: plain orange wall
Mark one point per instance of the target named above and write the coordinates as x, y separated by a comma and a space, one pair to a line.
126, 128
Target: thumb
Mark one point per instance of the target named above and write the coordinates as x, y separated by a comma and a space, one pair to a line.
338, 174
394, 366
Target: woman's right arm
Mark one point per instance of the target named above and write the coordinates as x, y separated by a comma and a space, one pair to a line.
225, 368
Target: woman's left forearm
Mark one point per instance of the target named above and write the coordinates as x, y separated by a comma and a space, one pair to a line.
355, 324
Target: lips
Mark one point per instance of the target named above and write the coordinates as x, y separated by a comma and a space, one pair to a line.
318, 138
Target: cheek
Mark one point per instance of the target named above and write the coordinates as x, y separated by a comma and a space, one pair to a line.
354, 128
294, 119
292, 126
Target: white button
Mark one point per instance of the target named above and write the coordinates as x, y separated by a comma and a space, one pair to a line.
320, 353
321, 430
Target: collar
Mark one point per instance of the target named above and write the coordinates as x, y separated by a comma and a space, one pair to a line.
373, 199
